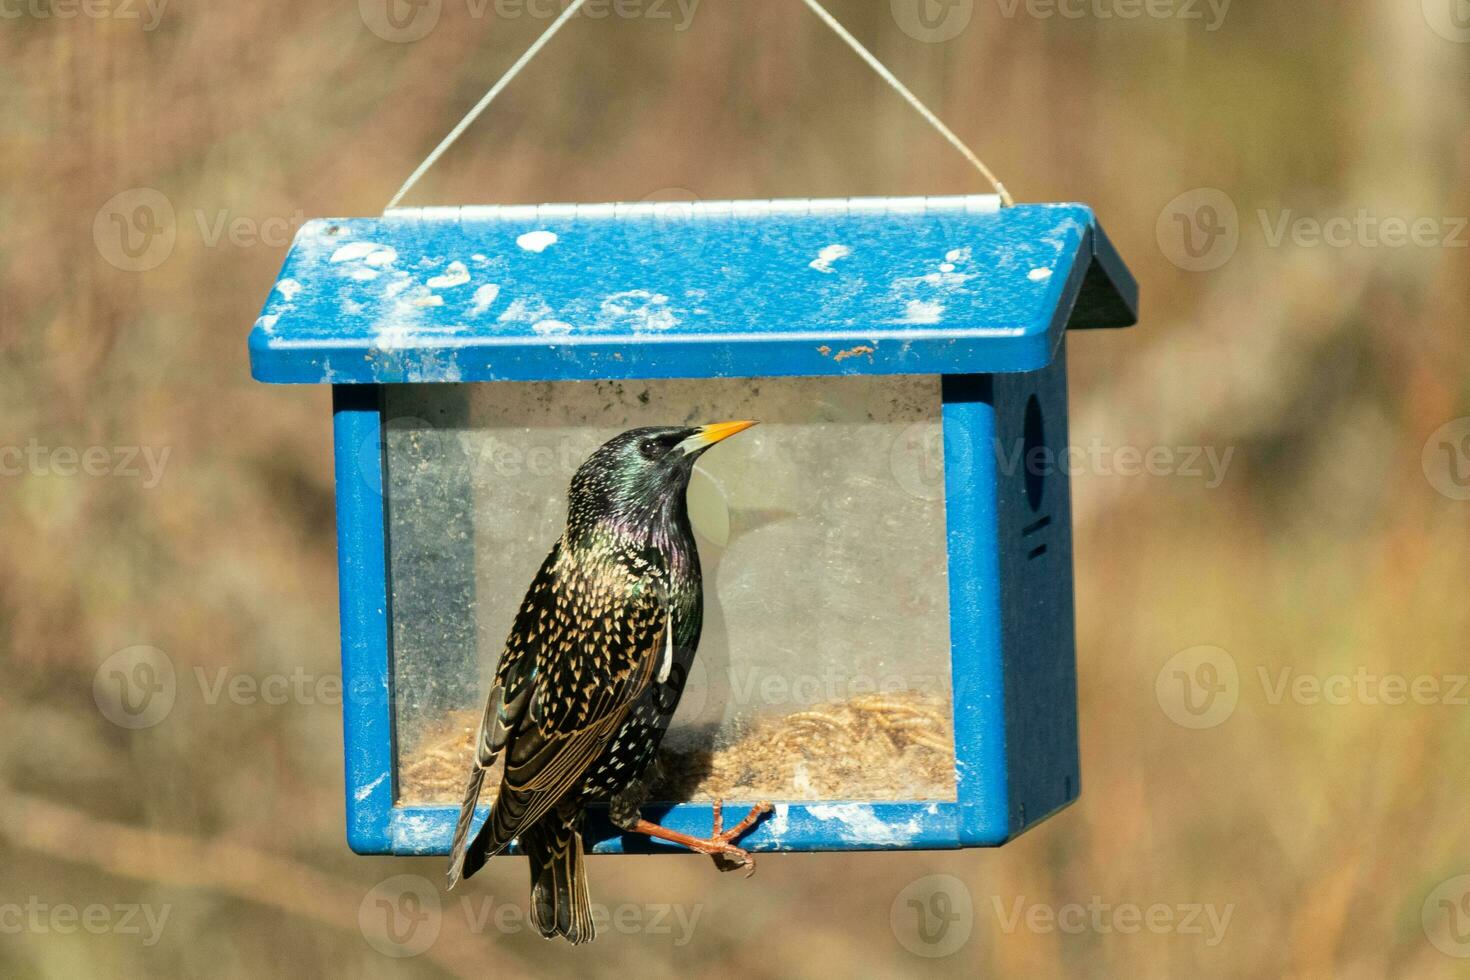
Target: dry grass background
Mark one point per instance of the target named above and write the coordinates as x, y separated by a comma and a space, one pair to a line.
1325, 549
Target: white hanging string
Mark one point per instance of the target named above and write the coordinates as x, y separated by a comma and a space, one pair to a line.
484, 103
911, 98
816, 8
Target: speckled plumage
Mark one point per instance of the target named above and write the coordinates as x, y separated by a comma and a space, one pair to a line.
592, 669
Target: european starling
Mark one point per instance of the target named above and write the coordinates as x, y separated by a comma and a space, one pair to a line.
592, 672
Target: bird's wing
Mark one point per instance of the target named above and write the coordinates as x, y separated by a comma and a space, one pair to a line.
505, 705
598, 634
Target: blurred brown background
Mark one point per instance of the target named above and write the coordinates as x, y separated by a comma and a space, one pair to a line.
1324, 357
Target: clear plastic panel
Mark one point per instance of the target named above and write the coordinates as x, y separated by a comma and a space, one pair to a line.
823, 671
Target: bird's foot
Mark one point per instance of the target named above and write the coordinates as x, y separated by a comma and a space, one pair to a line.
719, 845
731, 858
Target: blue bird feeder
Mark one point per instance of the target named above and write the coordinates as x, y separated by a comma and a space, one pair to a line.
888, 648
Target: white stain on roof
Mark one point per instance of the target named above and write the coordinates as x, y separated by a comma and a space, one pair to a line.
862, 825
370, 253
825, 258
364, 275
428, 300
456, 274
551, 327
352, 251
922, 311
639, 309
366, 791
526, 311
537, 241
288, 288
924, 297
1039, 275
485, 296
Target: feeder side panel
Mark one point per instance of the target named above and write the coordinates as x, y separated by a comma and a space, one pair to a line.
981, 783
362, 583
1037, 624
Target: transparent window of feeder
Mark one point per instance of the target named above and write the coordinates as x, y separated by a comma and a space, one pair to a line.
823, 672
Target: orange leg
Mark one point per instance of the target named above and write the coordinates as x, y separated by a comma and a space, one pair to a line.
718, 845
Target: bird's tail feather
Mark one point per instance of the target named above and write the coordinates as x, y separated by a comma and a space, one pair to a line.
458, 853
560, 902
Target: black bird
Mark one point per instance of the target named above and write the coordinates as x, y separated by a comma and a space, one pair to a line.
592, 672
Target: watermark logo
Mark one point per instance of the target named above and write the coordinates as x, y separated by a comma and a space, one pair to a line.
406, 21
400, 21
676, 217
1450, 19
138, 687
1363, 687
917, 460
1446, 459
63, 918
1199, 230
135, 230
148, 13
143, 463
1199, 687
1209, 12
933, 917
932, 21
1125, 918
135, 688
401, 916
677, 922
1446, 917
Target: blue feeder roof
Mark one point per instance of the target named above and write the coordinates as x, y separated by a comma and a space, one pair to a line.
711, 289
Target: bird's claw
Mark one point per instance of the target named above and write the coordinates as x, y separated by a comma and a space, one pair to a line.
727, 856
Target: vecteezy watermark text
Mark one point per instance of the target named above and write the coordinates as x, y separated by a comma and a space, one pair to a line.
406, 21
1211, 13
100, 919
1208, 463
402, 916
1201, 686
144, 463
1126, 918
147, 12
137, 687
1200, 230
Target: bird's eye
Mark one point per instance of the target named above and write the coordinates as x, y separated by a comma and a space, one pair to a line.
649, 449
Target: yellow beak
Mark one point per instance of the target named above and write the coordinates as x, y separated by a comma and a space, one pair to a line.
708, 435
